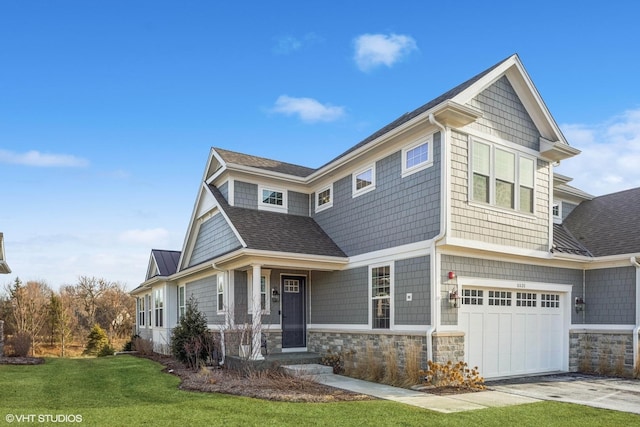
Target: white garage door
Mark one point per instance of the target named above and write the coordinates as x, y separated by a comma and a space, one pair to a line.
512, 332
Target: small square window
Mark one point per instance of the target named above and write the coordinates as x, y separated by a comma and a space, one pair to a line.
364, 180
417, 156
324, 198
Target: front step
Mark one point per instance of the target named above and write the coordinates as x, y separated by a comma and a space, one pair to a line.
307, 370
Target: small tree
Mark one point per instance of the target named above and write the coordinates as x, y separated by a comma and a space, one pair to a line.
190, 340
98, 343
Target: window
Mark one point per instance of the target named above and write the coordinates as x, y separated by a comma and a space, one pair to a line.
272, 199
381, 297
364, 180
141, 311
159, 307
526, 299
324, 198
292, 286
549, 300
500, 298
502, 178
181, 302
417, 156
472, 296
148, 305
220, 292
265, 291
556, 212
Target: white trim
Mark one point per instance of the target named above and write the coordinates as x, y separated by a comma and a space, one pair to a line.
576, 327
523, 285
364, 329
492, 247
420, 166
268, 206
266, 273
220, 280
327, 205
411, 250
184, 289
355, 192
557, 219
231, 190
391, 266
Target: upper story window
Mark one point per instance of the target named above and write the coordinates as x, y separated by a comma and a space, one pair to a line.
556, 212
364, 180
273, 199
417, 156
324, 198
502, 178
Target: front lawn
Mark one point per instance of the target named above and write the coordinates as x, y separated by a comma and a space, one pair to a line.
130, 391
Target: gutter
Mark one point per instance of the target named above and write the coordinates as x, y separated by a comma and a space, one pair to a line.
444, 202
634, 262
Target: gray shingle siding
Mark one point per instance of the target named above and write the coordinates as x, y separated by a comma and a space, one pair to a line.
399, 211
205, 293
501, 270
610, 296
340, 297
246, 195
215, 237
567, 208
504, 115
298, 203
412, 275
241, 315
224, 190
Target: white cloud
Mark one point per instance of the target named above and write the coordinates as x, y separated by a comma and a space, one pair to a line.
38, 159
152, 237
610, 158
308, 109
373, 50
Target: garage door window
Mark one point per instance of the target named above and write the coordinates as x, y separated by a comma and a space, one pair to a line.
502, 298
472, 296
550, 300
526, 299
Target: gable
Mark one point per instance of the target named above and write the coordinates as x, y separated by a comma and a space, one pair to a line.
215, 237
504, 115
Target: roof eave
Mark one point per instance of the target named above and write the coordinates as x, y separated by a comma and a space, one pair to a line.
4, 268
244, 257
556, 150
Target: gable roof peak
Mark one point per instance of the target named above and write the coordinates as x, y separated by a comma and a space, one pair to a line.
240, 159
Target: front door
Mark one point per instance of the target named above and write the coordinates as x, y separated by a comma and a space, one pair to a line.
294, 323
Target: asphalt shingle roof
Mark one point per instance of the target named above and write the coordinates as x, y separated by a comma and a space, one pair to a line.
263, 163
609, 224
273, 231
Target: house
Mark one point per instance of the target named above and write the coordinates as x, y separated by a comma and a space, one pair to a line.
4, 267
447, 228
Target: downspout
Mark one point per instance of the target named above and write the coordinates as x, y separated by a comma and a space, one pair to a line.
634, 262
444, 201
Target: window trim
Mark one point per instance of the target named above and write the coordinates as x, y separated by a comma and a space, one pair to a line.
220, 292
518, 155
391, 265
327, 205
355, 192
141, 311
158, 309
268, 206
182, 305
149, 309
266, 273
557, 219
406, 171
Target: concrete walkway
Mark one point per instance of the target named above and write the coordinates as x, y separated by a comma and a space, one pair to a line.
445, 404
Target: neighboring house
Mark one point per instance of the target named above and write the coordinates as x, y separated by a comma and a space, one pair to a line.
4, 267
447, 228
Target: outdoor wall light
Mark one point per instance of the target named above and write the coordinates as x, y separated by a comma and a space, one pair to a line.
579, 304
454, 299
275, 295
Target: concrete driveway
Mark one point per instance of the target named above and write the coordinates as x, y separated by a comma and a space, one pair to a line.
600, 392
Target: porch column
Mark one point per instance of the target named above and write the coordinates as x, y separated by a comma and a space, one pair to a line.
256, 326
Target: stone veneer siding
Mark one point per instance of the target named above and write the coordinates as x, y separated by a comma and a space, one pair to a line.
602, 352
323, 341
448, 346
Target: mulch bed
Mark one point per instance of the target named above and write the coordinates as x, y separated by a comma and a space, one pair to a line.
270, 385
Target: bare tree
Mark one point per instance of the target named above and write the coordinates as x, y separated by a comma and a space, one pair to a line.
29, 307
62, 318
116, 311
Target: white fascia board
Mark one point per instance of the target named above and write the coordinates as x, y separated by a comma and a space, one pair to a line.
265, 173
577, 327
492, 247
243, 257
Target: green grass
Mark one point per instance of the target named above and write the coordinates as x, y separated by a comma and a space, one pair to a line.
128, 391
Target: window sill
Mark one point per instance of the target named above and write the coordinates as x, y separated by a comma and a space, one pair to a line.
529, 216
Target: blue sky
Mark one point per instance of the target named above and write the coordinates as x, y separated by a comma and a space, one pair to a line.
108, 109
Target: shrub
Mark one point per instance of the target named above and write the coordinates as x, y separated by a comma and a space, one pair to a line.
21, 343
412, 363
96, 342
191, 341
450, 375
129, 346
334, 360
142, 346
